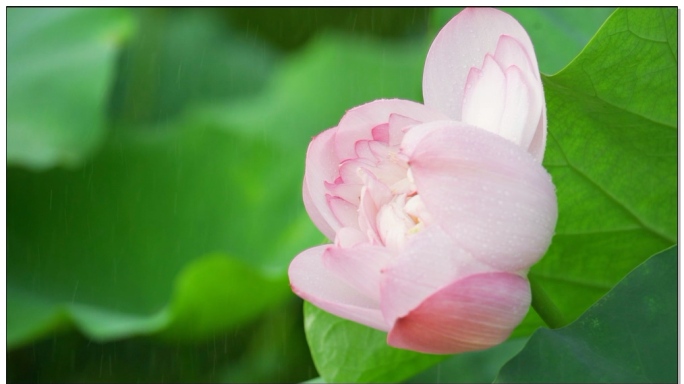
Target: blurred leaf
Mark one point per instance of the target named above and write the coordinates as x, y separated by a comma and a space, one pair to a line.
60, 64
277, 351
217, 291
316, 380
558, 33
612, 153
345, 351
271, 348
314, 88
209, 296
291, 27
630, 335
114, 236
183, 57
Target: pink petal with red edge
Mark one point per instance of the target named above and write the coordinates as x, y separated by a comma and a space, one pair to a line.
358, 266
358, 123
321, 166
430, 261
474, 313
313, 282
491, 196
462, 45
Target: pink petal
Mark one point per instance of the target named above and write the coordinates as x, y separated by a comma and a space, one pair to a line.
381, 133
316, 216
491, 196
538, 144
358, 123
362, 149
393, 222
321, 167
398, 124
345, 212
462, 45
313, 282
358, 266
416, 134
484, 99
522, 111
346, 191
350, 170
474, 313
510, 52
430, 261
348, 237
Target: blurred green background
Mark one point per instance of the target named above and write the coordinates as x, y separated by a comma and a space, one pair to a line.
155, 159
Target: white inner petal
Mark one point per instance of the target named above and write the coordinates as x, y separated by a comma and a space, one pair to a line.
375, 196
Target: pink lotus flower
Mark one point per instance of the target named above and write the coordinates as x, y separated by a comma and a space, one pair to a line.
437, 211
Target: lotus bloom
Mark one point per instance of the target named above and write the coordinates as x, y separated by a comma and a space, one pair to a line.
437, 211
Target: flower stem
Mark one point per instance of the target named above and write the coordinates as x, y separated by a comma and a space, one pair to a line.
544, 306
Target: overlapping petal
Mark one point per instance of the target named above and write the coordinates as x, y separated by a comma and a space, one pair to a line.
321, 167
438, 210
489, 195
477, 74
430, 261
474, 313
358, 123
311, 280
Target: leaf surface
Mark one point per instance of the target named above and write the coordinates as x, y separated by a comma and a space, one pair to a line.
60, 65
630, 335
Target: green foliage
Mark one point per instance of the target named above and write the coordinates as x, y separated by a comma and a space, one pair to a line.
630, 335
345, 351
113, 241
60, 64
331, 75
183, 58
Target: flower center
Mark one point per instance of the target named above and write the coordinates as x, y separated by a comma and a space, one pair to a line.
376, 197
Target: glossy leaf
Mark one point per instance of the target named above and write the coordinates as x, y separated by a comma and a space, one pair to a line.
344, 351
60, 66
630, 335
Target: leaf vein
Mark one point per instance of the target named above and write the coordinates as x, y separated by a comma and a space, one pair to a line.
609, 195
